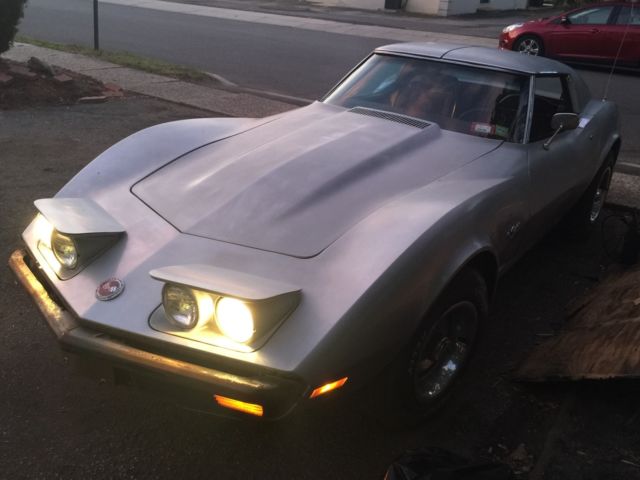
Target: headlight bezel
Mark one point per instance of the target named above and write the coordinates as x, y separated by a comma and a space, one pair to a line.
210, 327
83, 222
269, 301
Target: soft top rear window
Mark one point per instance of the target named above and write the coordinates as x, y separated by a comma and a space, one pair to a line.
460, 98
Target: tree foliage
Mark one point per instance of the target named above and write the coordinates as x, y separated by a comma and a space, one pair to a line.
10, 14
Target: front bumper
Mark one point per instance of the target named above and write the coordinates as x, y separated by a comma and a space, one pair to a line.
188, 382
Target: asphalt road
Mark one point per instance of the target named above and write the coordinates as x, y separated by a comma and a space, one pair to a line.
291, 61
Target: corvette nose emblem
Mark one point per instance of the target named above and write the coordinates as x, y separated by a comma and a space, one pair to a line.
109, 289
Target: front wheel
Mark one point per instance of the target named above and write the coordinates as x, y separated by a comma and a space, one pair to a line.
425, 375
529, 45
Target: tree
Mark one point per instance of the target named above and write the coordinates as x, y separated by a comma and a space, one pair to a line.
10, 14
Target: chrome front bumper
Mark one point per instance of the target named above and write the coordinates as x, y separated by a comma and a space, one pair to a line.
197, 384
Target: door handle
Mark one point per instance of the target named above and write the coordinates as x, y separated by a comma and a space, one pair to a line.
594, 30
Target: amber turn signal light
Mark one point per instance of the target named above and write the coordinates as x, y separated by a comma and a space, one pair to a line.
250, 408
328, 387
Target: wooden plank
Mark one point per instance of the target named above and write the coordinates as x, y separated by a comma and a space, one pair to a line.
601, 340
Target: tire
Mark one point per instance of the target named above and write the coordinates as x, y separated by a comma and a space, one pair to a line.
588, 210
421, 379
529, 45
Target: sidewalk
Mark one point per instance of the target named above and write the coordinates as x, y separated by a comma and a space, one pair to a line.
625, 186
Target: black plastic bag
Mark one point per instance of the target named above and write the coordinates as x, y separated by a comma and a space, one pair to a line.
438, 464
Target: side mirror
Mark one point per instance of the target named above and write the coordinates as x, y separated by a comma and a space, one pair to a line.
560, 122
565, 121
564, 20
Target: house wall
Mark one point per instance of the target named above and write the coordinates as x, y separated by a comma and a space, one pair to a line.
442, 8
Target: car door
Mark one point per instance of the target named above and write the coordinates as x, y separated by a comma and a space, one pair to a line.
580, 35
622, 35
559, 169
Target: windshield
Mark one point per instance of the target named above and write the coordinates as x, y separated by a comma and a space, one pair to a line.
460, 98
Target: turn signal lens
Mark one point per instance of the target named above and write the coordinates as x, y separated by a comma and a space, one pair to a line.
250, 408
64, 249
328, 387
234, 319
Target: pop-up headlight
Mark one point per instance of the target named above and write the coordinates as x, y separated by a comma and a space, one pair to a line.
221, 307
70, 232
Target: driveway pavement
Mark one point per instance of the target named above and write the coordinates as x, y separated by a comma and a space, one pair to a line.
55, 424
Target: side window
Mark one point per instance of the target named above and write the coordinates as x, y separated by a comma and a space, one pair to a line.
591, 16
551, 97
625, 16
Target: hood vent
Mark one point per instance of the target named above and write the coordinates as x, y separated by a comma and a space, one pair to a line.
394, 117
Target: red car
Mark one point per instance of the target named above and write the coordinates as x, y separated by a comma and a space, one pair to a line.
592, 33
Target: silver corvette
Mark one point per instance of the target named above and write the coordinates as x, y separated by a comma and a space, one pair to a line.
249, 266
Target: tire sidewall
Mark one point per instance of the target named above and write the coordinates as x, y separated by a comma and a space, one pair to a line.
407, 409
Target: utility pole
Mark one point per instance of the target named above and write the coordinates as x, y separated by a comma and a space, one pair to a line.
96, 29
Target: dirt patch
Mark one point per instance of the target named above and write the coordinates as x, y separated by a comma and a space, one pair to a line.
36, 84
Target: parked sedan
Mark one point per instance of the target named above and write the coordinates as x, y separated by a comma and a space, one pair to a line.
256, 265
594, 33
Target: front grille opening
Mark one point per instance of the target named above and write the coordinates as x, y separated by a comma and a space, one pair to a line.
394, 117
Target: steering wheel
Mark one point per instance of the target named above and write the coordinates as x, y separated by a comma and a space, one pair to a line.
507, 97
467, 113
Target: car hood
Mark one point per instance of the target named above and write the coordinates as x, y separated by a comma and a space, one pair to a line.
294, 184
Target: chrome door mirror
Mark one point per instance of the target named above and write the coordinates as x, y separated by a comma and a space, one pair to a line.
564, 20
565, 121
560, 122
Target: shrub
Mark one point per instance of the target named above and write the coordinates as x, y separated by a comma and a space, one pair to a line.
10, 14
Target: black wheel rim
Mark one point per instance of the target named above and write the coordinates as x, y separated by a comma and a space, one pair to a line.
440, 358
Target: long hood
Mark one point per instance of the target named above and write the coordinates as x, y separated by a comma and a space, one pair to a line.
297, 183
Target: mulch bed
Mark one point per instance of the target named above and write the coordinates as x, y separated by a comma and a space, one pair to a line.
35, 84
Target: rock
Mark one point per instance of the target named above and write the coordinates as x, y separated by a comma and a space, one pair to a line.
112, 87
62, 78
5, 79
97, 99
20, 71
40, 66
520, 454
113, 93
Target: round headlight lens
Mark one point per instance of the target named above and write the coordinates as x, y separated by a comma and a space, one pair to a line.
234, 319
64, 249
180, 306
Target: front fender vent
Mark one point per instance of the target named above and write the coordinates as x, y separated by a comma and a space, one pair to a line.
394, 117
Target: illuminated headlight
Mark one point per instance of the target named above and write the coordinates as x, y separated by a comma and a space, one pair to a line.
64, 249
186, 308
221, 307
68, 253
512, 27
234, 319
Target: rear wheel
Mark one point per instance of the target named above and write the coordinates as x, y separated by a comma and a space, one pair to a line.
529, 45
429, 370
588, 210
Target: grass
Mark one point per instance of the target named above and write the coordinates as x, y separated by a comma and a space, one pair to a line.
125, 59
